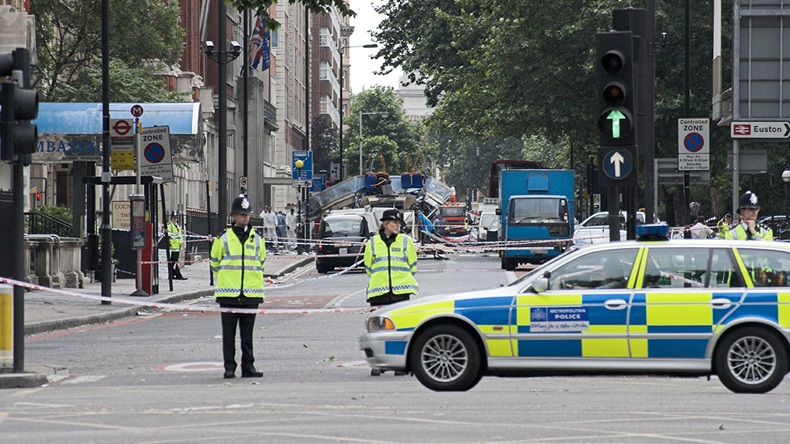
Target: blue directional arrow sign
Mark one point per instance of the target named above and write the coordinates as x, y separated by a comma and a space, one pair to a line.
306, 172
617, 164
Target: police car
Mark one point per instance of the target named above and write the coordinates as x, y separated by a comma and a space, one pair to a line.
654, 306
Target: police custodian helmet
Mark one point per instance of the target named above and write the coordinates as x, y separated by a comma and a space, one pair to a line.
392, 214
748, 200
241, 205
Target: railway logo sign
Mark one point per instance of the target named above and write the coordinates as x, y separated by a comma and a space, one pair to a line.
156, 158
693, 144
760, 130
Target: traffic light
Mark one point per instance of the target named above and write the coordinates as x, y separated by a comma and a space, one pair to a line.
617, 89
18, 136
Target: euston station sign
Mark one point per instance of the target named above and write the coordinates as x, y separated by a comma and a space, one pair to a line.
760, 130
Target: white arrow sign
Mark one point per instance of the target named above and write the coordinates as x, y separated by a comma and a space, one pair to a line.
760, 130
617, 160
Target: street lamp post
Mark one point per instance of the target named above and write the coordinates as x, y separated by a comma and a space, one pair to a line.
222, 55
299, 246
340, 99
786, 179
383, 114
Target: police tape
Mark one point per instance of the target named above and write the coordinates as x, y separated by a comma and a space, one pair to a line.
186, 307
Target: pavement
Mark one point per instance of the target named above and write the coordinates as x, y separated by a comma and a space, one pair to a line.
47, 311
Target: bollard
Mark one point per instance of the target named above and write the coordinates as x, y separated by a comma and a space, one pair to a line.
6, 326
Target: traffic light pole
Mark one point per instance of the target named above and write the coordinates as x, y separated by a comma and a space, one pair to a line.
18, 252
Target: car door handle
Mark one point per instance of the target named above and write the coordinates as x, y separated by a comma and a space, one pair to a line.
720, 303
615, 304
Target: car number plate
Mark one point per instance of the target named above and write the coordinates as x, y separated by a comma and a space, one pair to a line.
343, 250
539, 250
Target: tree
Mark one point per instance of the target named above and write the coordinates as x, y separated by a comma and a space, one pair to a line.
315, 6
404, 136
324, 143
526, 69
67, 33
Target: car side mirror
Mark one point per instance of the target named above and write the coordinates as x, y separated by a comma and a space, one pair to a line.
539, 285
499, 211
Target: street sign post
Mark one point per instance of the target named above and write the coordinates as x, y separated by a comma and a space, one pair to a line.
693, 146
760, 130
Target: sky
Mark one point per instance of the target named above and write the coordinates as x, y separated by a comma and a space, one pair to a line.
362, 66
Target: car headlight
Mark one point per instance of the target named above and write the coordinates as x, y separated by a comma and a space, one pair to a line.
376, 323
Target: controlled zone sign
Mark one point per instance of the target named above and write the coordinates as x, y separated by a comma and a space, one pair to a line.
693, 145
155, 156
617, 164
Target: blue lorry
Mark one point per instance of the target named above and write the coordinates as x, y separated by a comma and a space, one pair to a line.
536, 215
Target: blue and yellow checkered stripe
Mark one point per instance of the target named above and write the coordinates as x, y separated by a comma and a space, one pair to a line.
609, 327
657, 324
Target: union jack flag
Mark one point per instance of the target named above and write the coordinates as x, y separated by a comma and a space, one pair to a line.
260, 46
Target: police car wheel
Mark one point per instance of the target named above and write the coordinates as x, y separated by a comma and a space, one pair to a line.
446, 358
751, 360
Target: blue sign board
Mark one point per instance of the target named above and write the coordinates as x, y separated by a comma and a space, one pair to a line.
306, 172
617, 164
319, 183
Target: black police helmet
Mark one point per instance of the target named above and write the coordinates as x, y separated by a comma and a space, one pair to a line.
174, 214
392, 214
748, 200
241, 205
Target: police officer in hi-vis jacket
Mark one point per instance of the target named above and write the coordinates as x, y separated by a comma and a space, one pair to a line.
237, 261
174, 233
748, 228
390, 261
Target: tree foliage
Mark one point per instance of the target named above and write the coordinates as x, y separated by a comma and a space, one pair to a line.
401, 142
525, 70
323, 142
315, 6
145, 39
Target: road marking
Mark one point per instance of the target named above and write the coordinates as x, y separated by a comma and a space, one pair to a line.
194, 367
81, 379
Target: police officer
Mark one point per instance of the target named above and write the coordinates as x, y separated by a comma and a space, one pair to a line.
723, 226
237, 261
748, 228
390, 261
174, 233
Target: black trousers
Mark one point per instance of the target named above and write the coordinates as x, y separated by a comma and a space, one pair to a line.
175, 272
246, 324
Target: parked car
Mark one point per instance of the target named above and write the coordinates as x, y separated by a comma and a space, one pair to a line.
679, 307
487, 228
342, 236
595, 229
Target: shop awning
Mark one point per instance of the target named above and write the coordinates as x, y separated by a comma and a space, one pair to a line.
73, 131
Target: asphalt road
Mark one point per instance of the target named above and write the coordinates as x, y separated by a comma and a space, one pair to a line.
158, 379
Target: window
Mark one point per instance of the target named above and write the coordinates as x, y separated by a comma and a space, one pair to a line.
537, 211
599, 269
690, 268
275, 39
767, 268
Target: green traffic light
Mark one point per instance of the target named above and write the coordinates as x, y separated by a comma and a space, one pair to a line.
615, 116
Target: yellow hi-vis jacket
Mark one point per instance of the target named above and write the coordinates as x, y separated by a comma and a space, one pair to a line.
238, 268
738, 232
174, 233
391, 269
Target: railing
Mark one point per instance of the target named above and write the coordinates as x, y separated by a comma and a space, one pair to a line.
42, 223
